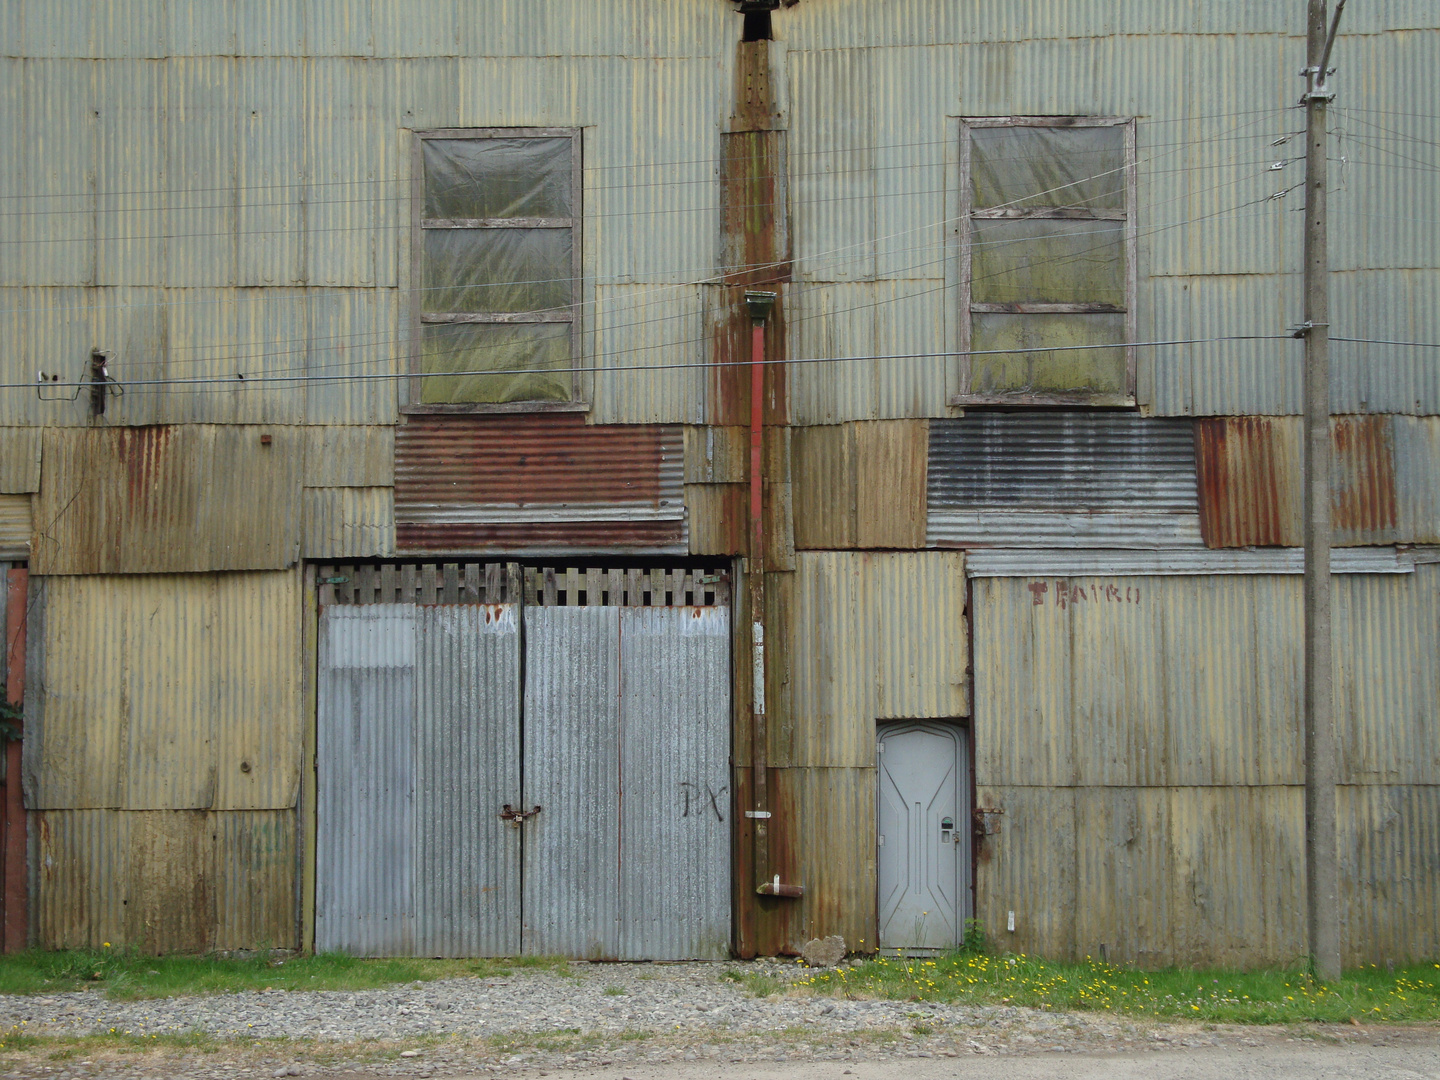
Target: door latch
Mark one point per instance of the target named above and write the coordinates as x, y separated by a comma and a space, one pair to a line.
516, 818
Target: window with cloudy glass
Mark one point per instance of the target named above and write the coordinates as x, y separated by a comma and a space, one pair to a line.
497, 247
1047, 261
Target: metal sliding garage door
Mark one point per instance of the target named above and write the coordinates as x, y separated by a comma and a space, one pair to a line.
548, 775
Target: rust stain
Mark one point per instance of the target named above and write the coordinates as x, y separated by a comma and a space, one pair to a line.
566, 535
142, 452
1362, 489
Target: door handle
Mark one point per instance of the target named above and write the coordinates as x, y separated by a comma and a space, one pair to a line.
516, 818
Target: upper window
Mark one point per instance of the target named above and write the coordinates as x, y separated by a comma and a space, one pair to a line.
1047, 261
498, 254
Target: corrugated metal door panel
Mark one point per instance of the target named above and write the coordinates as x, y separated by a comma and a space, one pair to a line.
674, 775
254, 879
467, 766
572, 771
364, 900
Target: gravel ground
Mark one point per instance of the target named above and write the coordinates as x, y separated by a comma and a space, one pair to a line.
600, 1014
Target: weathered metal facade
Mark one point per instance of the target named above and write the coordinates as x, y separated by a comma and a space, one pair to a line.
220, 198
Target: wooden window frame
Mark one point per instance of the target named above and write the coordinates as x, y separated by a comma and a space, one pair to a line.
968, 308
419, 224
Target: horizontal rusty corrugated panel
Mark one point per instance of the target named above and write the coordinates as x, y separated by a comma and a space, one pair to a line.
166, 692
15, 526
861, 485
148, 500
348, 522
537, 481
1251, 472
165, 881
871, 635
19, 459
1062, 479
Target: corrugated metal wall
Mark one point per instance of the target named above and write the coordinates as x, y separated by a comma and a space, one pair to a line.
1142, 737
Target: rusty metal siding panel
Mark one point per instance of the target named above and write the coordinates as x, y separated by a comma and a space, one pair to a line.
348, 522
872, 635
717, 455
1390, 872
1069, 479
349, 456
1250, 475
467, 767
1387, 636
830, 848
824, 487
536, 481
1028, 867
572, 770
168, 693
81, 887
1247, 469
255, 861
365, 873
19, 460
168, 499
719, 518
675, 820
15, 527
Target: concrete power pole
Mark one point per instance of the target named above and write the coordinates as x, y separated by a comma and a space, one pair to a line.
1322, 899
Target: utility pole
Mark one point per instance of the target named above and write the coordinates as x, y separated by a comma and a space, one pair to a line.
1322, 873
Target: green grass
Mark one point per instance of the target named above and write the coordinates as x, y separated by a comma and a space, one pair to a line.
128, 975
759, 985
1256, 997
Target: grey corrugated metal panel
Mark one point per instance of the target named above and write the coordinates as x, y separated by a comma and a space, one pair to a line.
202, 234
19, 460
832, 182
1045, 562
82, 861
348, 522
215, 333
348, 455
467, 767
1221, 377
365, 862
168, 499
1178, 875
271, 205
201, 30
269, 29
255, 861
1062, 460
131, 662
572, 770
951, 528
1389, 872
353, 331
884, 318
1394, 305
339, 28
1123, 870
872, 634
1028, 867
1417, 477
827, 844
1219, 652
631, 28
674, 772
12, 165
653, 335
15, 526
60, 148
422, 29
1387, 635
347, 152
130, 229
427, 90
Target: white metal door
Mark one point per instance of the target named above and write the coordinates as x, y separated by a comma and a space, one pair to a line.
923, 852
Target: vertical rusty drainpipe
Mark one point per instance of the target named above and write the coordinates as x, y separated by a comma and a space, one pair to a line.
760, 305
